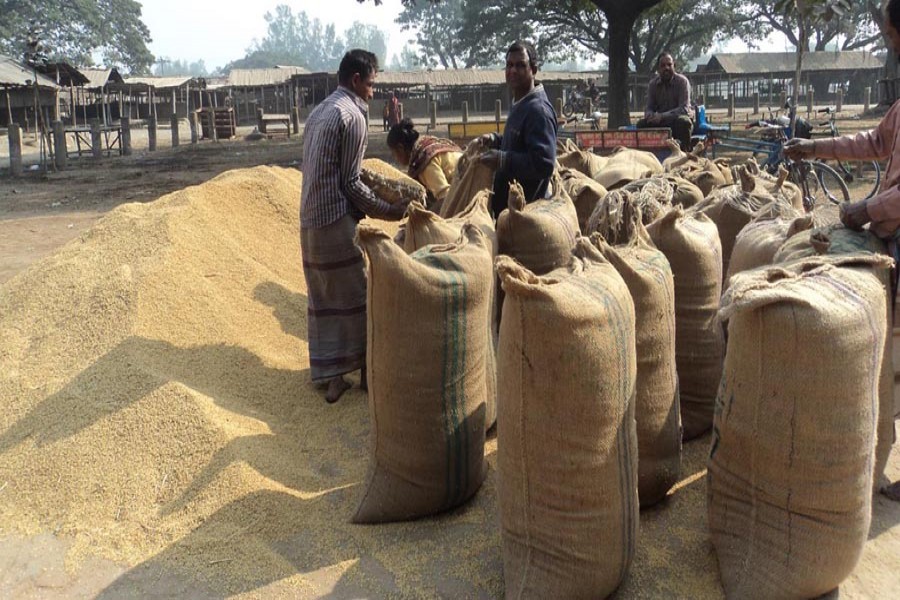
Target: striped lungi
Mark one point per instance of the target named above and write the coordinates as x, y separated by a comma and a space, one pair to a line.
336, 289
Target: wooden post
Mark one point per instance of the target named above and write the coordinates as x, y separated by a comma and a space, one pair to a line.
498, 109
868, 98
60, 152
211, 120
465, 111
151, 133
400, 110
756, 103
126, 136
559, 106
810, 100
731, 100
433, 115
15, 149
194, 126
295, 119
96, 139
174, 126
783, 99
839, 104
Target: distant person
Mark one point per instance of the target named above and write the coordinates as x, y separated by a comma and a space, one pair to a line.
429, 160
881, 212
333, 201
394, 110
527, 151
669, 102
386, 115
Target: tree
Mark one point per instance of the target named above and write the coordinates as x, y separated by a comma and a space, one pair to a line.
853, 27
361, 35
165, 67
407, 61
78, 30
294, 40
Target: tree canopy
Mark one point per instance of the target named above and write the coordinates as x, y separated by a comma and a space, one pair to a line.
77, 30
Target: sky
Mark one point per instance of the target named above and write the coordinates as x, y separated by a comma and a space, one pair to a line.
220, 31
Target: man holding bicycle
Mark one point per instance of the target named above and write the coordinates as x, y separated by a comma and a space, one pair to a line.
881, 211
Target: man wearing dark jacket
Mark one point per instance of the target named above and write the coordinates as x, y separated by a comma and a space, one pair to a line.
527, 151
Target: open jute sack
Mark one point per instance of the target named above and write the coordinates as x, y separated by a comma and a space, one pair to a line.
837, 240
389, 184
691, 244
567, 448
647, 274
759, 241
471, 177
585, 193
540, 234
791, 462
426, 398
424, 228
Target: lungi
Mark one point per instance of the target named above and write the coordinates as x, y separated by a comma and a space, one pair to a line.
336, 289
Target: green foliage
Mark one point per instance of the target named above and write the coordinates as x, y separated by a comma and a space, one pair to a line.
295, 39
165, 67
77, 30
851, 25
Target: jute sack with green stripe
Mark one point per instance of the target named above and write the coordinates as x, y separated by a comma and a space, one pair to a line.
567, 447
791, 461
691, 244
647, 274
426, 351
424, 228
539, 234
837, 240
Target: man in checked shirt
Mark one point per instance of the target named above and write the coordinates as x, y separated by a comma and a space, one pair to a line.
333, 201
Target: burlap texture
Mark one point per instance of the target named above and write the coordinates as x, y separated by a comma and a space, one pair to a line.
389, 184
647, 274
541, 234
424, 228
691, 244
585, 193
427, 416
471, 177
791, 463
567, 448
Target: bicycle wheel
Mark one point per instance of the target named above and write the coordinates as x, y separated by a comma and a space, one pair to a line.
862, 178
833, 188
568, 110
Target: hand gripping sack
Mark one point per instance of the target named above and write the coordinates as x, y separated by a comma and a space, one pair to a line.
427, 314
790, 469
471, 177
691, 244
647, 274
567, 453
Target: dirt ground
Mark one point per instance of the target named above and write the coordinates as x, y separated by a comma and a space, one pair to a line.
38, 214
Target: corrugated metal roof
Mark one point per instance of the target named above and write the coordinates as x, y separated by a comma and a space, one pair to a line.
63, 74
15, 74
158, 83
258, 77
439, 78
786, 62
97, 78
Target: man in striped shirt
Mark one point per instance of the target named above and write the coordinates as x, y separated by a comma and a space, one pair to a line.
333, 201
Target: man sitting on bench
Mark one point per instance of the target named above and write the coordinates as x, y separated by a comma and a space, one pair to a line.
669, 102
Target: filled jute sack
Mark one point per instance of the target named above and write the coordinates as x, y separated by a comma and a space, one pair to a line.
694, 167
837, 240
791, 461
647, 274
691, 244
677, 191
389, 184
541, 234
585, 193
567, 448
584, 161
424, 228
758, 242
471, 177
426, 399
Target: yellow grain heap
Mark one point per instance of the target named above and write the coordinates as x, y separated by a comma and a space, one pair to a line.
389, 184
156, 410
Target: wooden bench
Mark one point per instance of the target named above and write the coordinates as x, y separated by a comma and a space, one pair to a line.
264, 121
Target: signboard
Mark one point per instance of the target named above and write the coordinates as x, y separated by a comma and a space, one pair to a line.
468, 131
608, 139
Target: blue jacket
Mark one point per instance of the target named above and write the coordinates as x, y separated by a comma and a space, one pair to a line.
527, 149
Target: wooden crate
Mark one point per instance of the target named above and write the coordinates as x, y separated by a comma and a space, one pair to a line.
225, 123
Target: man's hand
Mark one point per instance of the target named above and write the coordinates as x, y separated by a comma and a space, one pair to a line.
855, 214
398, 211
654, 119
486, 140
797, 148
491, 159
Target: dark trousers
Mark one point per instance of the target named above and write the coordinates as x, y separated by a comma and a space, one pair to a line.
681, 127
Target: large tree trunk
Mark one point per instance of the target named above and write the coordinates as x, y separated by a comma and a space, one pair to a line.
620, 26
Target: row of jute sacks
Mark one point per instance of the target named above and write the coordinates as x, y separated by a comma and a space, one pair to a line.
588, 370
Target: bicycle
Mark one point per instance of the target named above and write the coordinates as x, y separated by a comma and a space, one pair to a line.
867, 172
818, 181
578, 102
